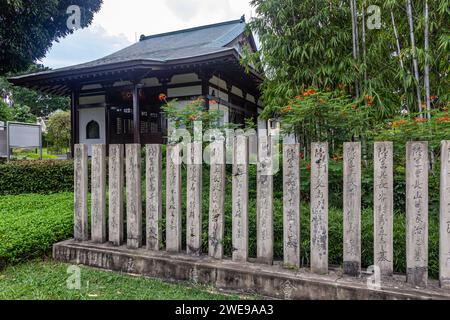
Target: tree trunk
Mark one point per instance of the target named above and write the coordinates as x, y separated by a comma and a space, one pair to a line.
400, 59
414, 54
364, 43
427, 66
355, 44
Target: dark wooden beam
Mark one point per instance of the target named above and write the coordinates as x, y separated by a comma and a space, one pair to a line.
136, 113
205, 76
74, 119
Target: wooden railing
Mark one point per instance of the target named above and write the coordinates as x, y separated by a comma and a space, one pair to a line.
416, 203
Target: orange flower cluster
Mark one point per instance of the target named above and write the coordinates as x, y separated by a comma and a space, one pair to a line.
213, 101
420, 120
443, 119
369, 100
399, 123
162, 97
299, 98
337, 157
309, 92
286, 109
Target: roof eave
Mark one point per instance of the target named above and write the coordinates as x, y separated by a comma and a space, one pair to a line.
73, 75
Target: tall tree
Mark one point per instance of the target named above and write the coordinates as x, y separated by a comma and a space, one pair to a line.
58, 130
28, 28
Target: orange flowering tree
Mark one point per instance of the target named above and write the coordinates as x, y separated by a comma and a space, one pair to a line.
415, 128
315, 115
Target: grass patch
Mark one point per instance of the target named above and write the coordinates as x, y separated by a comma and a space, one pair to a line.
48, 281
28, 154
31, 224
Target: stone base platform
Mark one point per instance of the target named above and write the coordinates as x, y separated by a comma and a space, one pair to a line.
252, 278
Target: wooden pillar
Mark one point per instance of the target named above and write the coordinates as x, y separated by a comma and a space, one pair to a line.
136, 114
205, 76
384, 207
291, 204
240, 199
352, 208
164, 81
134, 196
444, 261
194, 198
154, 196
417, 213
173, 199
74, 119
81, 223
229, 92
319, 208
264, 208
98, 194
116, 185
217, 199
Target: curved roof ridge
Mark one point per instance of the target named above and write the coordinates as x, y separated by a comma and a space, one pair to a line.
144, 37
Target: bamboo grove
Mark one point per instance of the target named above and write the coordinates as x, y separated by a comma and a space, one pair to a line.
359, 69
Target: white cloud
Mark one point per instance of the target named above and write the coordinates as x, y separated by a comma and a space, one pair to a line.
83, 46
120, 23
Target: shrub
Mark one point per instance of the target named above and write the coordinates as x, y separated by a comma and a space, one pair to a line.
45, 177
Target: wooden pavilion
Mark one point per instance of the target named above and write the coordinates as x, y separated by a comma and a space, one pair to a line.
110, 95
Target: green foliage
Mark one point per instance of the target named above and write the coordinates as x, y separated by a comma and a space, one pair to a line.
184, 116
23, 114
318, 116
5, 112
30, 27
58, 130
414, 128
39, 104
31, 224
17, 177
30, 154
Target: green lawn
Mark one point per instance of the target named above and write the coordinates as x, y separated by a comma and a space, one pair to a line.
37, 280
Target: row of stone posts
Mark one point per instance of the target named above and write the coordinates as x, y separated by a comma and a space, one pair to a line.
416, 203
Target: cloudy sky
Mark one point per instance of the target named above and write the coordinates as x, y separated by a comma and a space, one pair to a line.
119, 23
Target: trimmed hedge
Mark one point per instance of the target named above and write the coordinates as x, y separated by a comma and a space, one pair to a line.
44, 177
